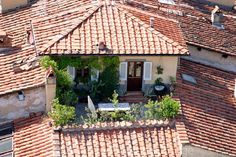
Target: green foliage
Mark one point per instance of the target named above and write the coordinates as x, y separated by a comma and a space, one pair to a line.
169, 108
117, 115
172, 80
110, 78
159, 69
111, 61
67, 96
62, 114
153, 110
64, 79
137, 109
47, 61
159, 80
94, 87
114, 99
108, 82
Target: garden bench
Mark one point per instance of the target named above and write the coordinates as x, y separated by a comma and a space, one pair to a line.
110, 107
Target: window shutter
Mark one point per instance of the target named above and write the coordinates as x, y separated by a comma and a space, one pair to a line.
94, 74
123, 71
147, 74
71, 71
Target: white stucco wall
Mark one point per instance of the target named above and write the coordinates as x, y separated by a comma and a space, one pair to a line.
11, 4
11, 108
168, 63
212, 58
229, 3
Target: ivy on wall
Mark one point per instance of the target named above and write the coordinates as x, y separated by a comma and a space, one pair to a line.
108, 81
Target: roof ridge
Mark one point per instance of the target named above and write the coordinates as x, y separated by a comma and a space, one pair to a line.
148, 13
85, 6
147, 27
68, 30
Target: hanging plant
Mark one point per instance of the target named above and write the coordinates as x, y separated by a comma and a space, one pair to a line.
159, 69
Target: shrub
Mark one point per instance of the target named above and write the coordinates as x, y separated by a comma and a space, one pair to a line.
94, 91
110, 78
114, 99
114, 116
47, 61
67, 96
152, 111
169, 108
64, 79
159, 80
61, 114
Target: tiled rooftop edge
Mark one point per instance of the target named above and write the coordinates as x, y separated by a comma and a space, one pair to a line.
118, 125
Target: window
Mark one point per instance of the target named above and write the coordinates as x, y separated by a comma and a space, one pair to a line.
123, 71
82, 75
167, 2
83, 72
94, 74
147, 74
71, 71
6, 149
189, 78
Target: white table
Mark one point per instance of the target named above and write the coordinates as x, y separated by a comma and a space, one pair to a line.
110, 107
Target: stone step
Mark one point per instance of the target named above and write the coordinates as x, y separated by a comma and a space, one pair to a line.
134, 93
133, 99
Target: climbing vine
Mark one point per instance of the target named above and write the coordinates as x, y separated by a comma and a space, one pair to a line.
107, 83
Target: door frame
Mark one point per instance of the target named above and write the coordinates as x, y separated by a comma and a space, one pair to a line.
141, 75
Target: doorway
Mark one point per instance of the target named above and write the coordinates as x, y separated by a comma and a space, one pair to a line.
135, 76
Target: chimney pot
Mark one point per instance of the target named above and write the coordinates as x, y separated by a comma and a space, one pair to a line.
217, 17
152, 22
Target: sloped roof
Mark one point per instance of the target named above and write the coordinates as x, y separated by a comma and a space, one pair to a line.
20, 70
195, 21
208, 107
19, 65
122, 32
35, 137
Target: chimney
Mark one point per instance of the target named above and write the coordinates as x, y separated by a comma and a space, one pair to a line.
152, 22
217, 18
50, 88
6, 5
5, 40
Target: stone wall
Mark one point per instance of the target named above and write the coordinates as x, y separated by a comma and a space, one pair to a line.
212, 58
11, 107
11, 4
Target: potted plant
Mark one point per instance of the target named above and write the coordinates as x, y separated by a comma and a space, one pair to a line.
159, 87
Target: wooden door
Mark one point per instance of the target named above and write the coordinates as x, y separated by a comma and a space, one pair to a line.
135, 73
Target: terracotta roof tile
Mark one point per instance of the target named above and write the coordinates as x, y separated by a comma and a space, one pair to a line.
121, 31
14, 75
208, 107
20, 70
117, 140
195, 21
33, 136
